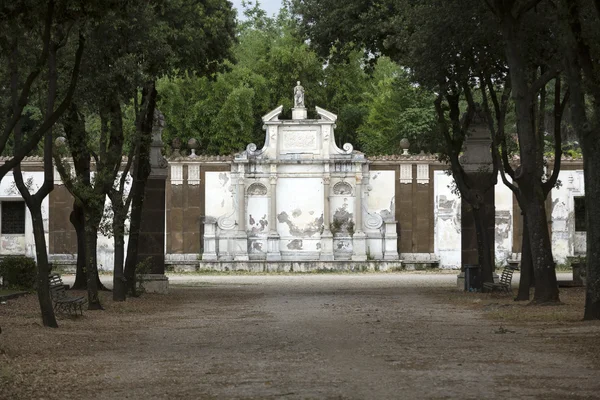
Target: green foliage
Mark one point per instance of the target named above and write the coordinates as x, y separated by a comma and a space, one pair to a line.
376, 105
18, 272
397, 109
224, 112
141, 269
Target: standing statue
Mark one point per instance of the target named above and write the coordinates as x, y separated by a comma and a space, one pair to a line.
298, 96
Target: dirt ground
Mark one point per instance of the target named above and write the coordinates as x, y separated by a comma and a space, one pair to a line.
349, 336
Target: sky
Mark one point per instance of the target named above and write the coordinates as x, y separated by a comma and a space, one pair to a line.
270, 6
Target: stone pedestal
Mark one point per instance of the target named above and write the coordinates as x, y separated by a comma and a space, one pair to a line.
299, 113
326, 246
152, 228
359, 246
390, 251
273, 252
153, 283
240, 246
225, 246
210, 241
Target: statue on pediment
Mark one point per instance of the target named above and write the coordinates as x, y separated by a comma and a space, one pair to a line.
298, 95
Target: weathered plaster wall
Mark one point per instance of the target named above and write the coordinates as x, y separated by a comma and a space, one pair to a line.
219, 194
503, 242
447, 231
565, 240
299, 215
394, 186
382, 194
22, 244
257, 221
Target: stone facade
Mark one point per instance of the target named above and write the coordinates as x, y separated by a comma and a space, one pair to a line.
302, 203
299, 198
425, 207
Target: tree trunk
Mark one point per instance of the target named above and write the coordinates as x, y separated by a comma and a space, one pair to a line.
78, 221
527, 280
119, 282
546, 286
483, 245
591, 166
91, 236
137, 202
529, 173
141, 171
43, 289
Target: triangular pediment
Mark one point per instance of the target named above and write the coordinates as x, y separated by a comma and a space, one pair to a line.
273, 115
326, 115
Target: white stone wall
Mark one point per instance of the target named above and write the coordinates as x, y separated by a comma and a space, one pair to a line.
22, 244
300, 215
382, 192
447, 230
219, 196
503, 241
565, 241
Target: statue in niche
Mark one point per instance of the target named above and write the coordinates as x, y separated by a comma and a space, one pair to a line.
298, 96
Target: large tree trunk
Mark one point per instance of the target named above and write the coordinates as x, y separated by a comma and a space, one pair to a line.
43, 289
91, 237
141, 171
530, 171
527, 275
546, 286
77, 218
591, 168
78, 221
119, 282
137, 202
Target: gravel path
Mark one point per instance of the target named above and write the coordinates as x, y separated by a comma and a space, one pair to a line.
373, 336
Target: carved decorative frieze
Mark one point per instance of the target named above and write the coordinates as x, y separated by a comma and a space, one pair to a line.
300, 140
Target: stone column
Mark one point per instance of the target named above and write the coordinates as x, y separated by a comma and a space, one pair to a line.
477, 163
273, 251
152, 227
326, 236
240, 250
359, 242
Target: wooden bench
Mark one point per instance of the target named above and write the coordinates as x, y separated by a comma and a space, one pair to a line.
504, 283
62, 301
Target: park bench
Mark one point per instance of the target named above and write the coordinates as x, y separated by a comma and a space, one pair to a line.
504, 284
62, 301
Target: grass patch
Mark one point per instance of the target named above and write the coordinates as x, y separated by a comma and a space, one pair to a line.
504, 309
4, 292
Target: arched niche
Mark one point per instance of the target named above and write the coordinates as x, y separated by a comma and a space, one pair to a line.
342, 189
257, 189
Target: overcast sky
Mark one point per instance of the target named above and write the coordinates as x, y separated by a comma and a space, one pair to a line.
270, 6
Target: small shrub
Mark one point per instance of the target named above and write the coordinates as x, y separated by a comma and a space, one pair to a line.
142, 268
18, 272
